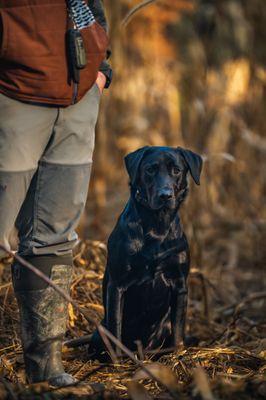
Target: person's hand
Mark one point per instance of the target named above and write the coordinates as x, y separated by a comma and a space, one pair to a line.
100, 81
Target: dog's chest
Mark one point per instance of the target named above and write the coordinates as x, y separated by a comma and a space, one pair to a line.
158, 257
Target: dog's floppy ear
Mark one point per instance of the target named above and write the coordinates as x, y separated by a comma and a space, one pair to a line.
194, 163
132, 161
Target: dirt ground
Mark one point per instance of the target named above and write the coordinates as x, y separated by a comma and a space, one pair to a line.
227, 318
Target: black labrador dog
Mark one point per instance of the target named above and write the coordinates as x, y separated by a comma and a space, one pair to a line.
144, 286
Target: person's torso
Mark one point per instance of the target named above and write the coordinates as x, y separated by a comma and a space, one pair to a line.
33, 52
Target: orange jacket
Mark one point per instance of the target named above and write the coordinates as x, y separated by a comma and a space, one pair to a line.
33, 62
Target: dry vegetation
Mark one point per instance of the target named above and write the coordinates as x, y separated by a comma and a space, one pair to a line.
227, 364
190, 74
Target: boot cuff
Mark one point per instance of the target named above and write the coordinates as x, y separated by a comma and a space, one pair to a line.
25, 280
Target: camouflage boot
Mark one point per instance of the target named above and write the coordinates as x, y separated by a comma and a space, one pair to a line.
43, 314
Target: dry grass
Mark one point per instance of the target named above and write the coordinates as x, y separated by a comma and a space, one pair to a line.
227, 364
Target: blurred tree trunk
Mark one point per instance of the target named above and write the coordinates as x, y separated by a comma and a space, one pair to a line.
92, 219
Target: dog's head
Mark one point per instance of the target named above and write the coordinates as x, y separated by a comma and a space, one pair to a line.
158, 175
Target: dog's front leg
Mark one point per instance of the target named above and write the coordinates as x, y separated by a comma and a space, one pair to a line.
178, 312
114, 310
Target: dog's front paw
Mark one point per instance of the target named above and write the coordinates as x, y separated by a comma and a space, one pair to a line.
102, 357
96, 349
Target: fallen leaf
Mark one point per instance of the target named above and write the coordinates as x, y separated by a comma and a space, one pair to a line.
161, 372
72, 316
202, 383
137, 391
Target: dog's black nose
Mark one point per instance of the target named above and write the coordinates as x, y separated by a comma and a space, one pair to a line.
166, 194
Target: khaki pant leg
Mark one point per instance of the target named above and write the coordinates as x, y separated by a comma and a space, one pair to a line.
48, 219
24, 133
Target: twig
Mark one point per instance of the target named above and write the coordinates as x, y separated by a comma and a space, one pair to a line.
140, 349
4, 303
249, 299
5, 285
134, 10
86, 339
254, 140
100, 328
108, 345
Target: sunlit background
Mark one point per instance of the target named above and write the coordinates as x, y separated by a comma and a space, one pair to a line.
192, 74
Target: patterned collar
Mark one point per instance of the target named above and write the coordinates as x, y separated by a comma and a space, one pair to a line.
80, 13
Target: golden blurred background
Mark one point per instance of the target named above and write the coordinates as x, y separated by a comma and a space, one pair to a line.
190, 73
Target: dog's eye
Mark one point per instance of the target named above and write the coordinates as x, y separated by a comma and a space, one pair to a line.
176, 170
150, 170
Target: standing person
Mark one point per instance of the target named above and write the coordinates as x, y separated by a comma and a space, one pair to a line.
52, 73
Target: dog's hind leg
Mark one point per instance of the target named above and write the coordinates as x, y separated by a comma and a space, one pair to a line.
178, 312
114, 311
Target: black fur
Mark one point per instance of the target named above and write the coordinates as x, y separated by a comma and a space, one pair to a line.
144, 287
